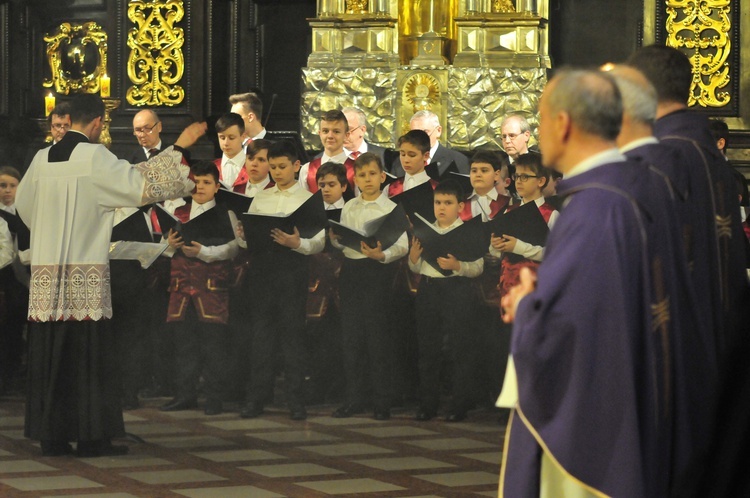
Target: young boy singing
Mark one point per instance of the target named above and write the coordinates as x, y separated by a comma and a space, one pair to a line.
365, 284
256, 168
486, 173
334, 129
445, 306
230, 128
414, 149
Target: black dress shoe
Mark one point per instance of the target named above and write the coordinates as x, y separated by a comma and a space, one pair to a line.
298, 413
251, 409
178, 404
456, 416
347, 411
382, 414
56, 448
92, 449
425, 415
213, 407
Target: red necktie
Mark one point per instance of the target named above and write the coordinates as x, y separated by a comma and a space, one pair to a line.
152, 152
355, 154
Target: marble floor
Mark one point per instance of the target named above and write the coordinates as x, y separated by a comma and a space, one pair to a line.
187, 454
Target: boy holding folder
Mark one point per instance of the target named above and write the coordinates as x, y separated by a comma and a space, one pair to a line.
364, 286
278, 280
446, 302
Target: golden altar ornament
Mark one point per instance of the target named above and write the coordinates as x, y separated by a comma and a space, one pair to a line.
156, 63
77, 57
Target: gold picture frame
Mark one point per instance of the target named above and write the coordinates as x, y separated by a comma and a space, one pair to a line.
77, 56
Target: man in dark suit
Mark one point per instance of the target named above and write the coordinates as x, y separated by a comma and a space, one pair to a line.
429, 123
356, 145
147, 130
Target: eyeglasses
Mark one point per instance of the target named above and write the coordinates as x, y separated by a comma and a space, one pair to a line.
59, 126
523, 177
145, 129
509, 136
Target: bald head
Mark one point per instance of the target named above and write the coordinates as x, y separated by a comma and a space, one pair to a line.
580, 115
146, 128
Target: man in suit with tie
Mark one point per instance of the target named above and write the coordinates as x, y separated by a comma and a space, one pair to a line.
428, 122
355, 144
147, 130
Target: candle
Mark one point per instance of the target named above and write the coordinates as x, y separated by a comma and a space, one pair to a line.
104, 85
49, 104
471, 5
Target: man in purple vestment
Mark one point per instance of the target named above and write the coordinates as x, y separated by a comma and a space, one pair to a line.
591, 344
715, 245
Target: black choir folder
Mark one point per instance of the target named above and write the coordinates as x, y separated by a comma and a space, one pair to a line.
386, 229
524, 223
310, 218
419, 199
467, 242
234, 201
189, 230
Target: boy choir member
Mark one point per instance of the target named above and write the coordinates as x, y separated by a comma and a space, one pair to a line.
278, 284
250, 108
530, 178
201, 272
256, 168
414, 153
445, 306
365, 286
442, 156
232, 174
67, 199
334, 130
486, 171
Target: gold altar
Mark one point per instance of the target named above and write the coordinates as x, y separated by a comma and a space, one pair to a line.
471, 62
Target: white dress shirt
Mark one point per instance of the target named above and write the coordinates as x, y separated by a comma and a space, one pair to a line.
468, 269
481, 204
528, 251
411, 181
252, 189
231, 167
357, 212
339, 158
285, 202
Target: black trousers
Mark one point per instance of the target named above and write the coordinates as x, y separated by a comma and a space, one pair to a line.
73, 382
445, 311
278, 284
200, 348
364, 287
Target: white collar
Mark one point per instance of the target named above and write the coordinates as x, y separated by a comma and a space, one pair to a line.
198, 209
605, 157
639, 142
339, 158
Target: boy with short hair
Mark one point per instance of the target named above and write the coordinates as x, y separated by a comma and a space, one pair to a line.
445, 305
530, 178
365, 285
230, 128
199, 298
334, 129
485, 173
414, 149
256, 168
331, 179
278, 283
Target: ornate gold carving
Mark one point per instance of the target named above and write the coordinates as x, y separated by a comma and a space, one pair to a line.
77, 56
421, 91
109, 105
356, 6
156, 62
701, 30
503, 6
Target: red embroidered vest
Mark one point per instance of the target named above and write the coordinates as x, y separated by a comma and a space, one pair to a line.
497, 206
313, 167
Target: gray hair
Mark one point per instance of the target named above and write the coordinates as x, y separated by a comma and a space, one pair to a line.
522, 123
590, 98
639, 98
429, 116
361, 118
